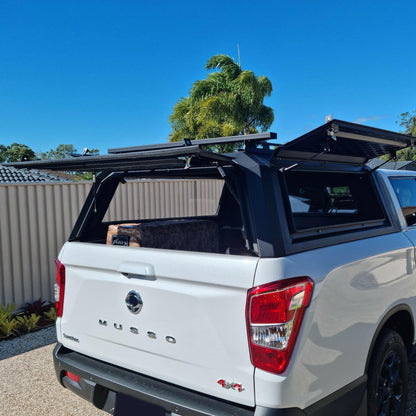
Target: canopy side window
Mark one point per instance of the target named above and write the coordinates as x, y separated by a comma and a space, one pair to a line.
319, 204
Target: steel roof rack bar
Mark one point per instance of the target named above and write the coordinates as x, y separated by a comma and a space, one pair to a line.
156, 156
155, 159
247, 138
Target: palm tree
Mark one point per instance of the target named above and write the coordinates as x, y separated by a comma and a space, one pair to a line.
228, 102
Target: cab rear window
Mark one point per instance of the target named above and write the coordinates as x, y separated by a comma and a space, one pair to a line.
405, 189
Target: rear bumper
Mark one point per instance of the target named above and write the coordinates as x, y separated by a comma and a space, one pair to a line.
100, 383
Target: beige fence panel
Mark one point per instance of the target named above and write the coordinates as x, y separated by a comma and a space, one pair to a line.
36, 219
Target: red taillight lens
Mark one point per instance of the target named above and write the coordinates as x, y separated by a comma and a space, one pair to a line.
274, 314
59, 288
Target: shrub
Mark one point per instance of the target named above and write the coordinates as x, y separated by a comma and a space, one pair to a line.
51, 314
35, 315
27, 323
38, 307
8, 327
8, 324
6, 311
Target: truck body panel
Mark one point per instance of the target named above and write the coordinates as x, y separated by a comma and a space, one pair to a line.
352, 292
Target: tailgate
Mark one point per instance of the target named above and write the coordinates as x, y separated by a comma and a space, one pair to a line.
191, 329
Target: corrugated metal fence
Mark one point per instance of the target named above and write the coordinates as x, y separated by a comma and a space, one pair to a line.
36, 219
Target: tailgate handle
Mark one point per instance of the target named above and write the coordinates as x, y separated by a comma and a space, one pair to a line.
133, 270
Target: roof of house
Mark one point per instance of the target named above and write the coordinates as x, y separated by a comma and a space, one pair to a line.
398, 165
10, 174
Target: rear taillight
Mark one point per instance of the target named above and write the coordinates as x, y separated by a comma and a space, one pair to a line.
274, 313
59, 288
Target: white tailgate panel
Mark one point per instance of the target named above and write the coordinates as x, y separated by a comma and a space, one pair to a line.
198, 299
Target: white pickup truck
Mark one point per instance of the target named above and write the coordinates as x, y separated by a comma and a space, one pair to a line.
295, 296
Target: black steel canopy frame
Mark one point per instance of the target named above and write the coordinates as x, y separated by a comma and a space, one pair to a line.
160, 156
165, 158
343, 142
336, 141
247, 140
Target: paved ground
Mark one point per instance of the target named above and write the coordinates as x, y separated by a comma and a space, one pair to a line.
28, 386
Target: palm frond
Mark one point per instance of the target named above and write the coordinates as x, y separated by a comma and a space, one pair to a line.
209, 130
180, 109
264, 118
212, 109
265, 85
207, 87
230, 129
224, 63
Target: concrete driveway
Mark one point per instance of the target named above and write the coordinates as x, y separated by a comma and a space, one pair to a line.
28, 386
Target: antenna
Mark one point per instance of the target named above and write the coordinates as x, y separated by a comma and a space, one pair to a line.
328, 118
239, 59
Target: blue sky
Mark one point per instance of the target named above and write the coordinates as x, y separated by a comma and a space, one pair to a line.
106, 74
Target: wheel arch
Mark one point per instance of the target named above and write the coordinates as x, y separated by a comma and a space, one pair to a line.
400, 318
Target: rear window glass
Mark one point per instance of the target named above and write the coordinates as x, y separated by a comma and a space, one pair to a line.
200, 215
328, 200
158, 199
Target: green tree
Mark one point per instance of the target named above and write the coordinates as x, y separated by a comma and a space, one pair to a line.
408, 123
3, 153
64, 151
228, 102
93, 152
61, 152
15, 152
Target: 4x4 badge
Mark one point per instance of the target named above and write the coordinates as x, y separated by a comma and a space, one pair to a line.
230, 385
134, 302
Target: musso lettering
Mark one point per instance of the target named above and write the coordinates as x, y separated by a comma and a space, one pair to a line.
151, 334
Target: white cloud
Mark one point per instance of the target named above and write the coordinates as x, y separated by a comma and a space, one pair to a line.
363, 120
